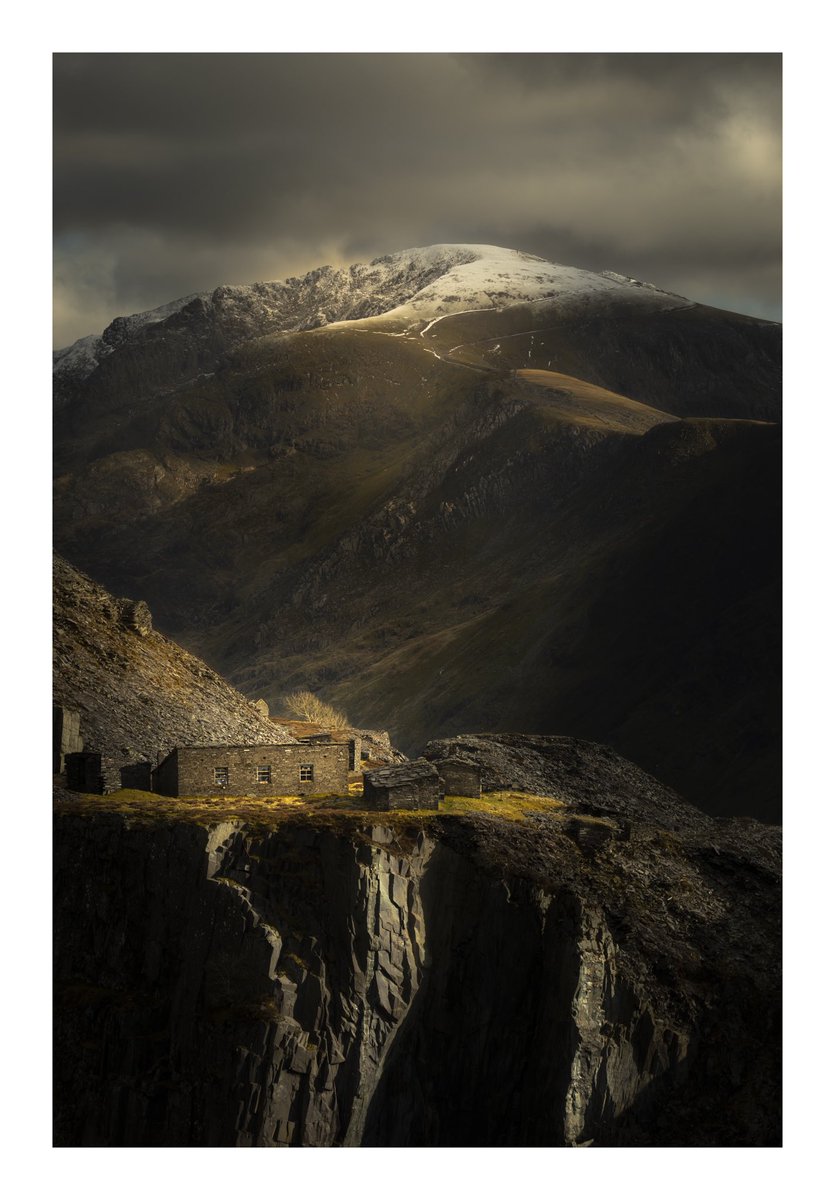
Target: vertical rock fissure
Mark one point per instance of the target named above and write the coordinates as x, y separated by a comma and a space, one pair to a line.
394, 966
594, 979
337, 996
484, 1053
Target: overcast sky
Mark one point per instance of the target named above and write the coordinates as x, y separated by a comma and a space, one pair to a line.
176, 173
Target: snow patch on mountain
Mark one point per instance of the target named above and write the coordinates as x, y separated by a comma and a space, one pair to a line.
82, 355
495, 278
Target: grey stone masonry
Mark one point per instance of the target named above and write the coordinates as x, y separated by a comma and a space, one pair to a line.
407, 785
325, 739
282, 770
66, 735
459, 778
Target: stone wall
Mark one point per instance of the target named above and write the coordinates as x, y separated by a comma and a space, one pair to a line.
191, 770
355, 753
66, 735
459, 778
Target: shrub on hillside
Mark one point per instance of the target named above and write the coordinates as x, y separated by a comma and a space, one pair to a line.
308, 707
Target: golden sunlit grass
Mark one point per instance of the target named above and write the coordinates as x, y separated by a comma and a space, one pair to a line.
584, 403
146, 808
512, 806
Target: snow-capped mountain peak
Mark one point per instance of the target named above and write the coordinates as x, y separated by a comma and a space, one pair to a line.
411, 287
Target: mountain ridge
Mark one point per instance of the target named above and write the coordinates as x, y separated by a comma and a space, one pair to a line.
416, 261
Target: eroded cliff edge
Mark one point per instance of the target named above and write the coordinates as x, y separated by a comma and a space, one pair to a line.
603, 972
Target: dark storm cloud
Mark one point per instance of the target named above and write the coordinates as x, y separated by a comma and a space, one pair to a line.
177, 172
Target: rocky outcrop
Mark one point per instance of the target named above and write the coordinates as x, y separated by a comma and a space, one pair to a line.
605, 972
137, 617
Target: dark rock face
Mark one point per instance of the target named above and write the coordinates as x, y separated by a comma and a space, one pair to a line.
606, 973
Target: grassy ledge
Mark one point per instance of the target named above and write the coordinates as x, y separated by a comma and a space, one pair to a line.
146, 808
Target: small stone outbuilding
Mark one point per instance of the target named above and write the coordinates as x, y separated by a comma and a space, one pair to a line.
407, 785
459, 778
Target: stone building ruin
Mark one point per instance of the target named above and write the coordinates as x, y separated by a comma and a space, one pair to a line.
319, 764
294, 769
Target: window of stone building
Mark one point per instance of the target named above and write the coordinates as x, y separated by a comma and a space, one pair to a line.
221, 777
306, 773
263, 775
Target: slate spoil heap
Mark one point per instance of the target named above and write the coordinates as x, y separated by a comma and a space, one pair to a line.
137, 694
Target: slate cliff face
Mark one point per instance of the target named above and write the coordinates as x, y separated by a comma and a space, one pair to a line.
455, 980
